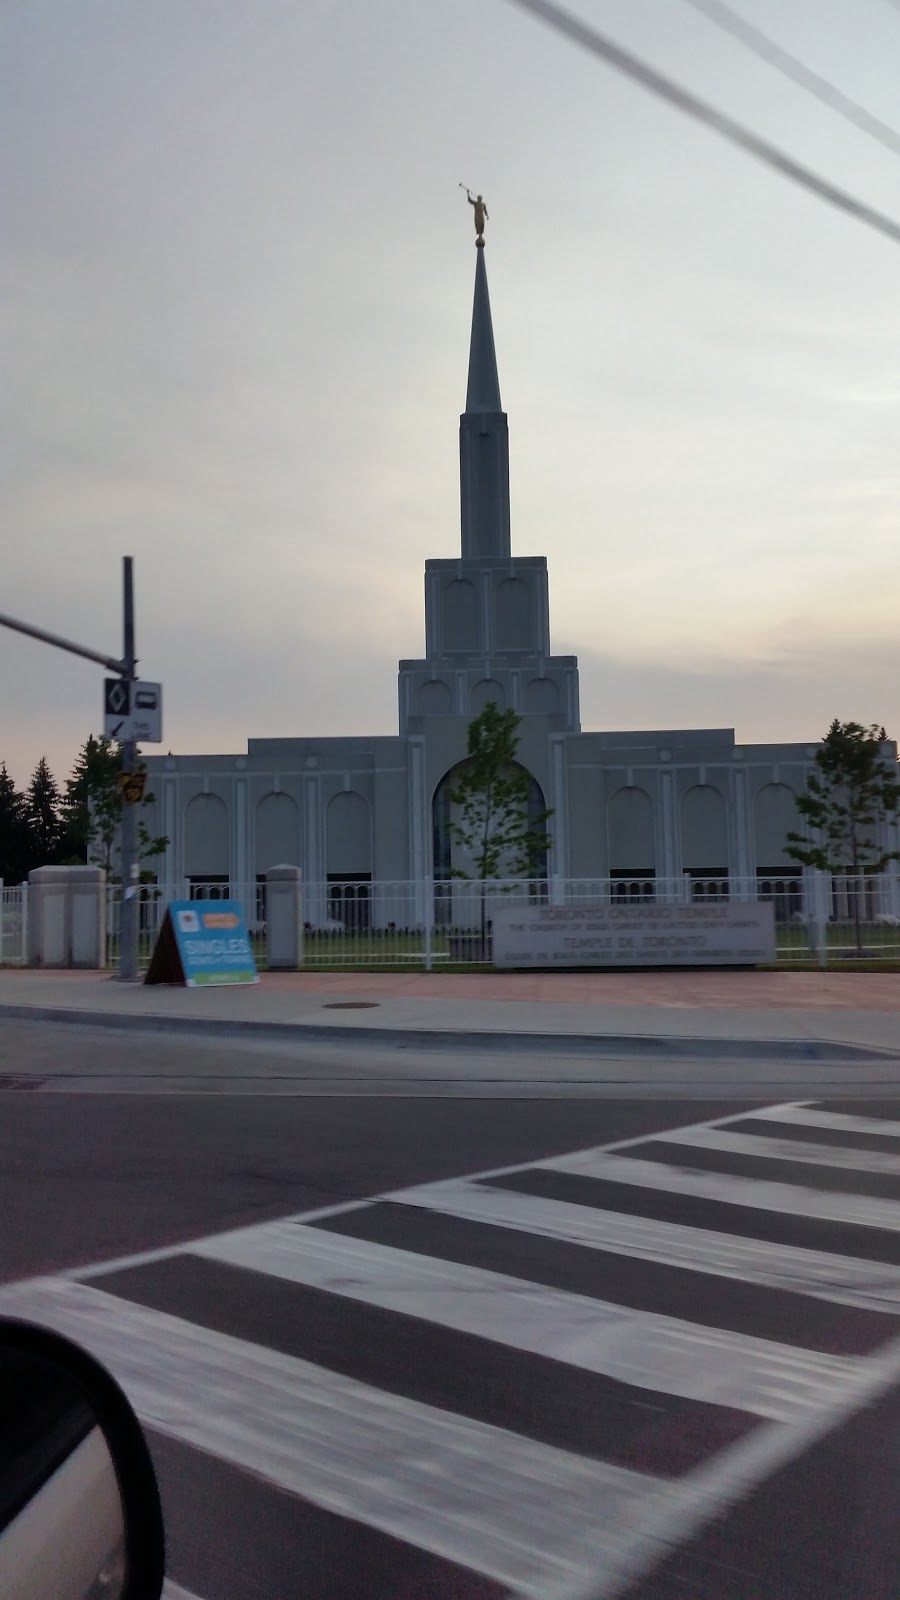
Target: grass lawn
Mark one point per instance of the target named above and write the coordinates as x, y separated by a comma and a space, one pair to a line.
880, 942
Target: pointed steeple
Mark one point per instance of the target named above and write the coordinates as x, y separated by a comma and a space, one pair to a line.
483, 439
483, 392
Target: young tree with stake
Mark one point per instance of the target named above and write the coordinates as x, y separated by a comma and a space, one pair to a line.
850, 797
493, 825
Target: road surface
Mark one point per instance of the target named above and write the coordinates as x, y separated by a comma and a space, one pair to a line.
411, 1348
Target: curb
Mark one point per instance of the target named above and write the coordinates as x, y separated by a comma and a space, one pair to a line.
668, 1047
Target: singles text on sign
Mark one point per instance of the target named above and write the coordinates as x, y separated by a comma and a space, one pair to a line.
203, 945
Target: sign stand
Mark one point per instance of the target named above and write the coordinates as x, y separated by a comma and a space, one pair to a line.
165, 963
202, 944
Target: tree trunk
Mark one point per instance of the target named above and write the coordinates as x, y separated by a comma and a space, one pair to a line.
488, 815
857, 884
856, 922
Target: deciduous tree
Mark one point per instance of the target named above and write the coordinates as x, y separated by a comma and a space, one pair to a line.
93, 809
850, 797
494, 824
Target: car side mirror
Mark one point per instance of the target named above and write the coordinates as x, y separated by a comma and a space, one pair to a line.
80, 1516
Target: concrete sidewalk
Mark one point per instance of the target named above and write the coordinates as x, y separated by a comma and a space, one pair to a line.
748, 1014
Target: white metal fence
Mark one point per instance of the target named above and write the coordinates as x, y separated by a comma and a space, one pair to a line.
152, 910
13, 925
820, 920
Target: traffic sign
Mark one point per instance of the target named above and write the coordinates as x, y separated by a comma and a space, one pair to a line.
132, 711
132, 785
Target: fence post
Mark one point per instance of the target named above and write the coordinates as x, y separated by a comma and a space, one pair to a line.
284, 919
817, 898
891, 881
429, 922
823, 896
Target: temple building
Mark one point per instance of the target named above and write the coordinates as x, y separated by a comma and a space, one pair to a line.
631, 807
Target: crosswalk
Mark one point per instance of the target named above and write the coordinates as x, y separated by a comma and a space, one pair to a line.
524, 1382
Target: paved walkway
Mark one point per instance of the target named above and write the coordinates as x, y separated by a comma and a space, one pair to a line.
855, 1008
870, 991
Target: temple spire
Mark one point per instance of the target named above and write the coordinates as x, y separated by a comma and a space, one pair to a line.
483, 438
483, 392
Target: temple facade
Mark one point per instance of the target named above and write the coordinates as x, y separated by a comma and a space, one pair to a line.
673, 804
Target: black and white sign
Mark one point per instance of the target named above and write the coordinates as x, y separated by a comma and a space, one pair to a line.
721, 934
132, 711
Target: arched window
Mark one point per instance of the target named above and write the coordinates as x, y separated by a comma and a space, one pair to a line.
704, 841
207, 851
483, 692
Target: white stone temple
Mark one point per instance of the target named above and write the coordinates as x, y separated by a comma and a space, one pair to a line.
632, 807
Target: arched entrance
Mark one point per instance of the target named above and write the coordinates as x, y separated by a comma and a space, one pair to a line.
454, 899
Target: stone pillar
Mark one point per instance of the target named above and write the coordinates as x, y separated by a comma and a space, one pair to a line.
668, 851
313, 853
284, 919
67, 917
420, 863
559, 802
742, 854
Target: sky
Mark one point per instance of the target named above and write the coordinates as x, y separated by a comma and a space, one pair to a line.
235, 292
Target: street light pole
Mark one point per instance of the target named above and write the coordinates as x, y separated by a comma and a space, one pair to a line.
60, 643
130, 910
126, 670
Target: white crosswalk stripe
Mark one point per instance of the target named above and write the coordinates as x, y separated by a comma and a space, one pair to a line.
539, 1518
846, 1280
653, 1352
835, 1121
751, 1144
411, 1470
757, 1193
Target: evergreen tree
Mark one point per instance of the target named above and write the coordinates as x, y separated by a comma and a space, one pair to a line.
42, 816
93, 805
13, 853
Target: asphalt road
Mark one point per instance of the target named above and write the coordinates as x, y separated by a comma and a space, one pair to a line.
87, 1176
661, 1371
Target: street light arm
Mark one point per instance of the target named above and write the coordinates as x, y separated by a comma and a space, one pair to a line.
121, 667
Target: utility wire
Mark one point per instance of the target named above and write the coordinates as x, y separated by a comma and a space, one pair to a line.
581, 33
791, 67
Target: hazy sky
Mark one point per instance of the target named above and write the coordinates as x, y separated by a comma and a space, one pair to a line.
235, 291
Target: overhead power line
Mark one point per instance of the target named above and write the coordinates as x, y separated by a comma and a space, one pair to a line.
792, 67
581, 33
